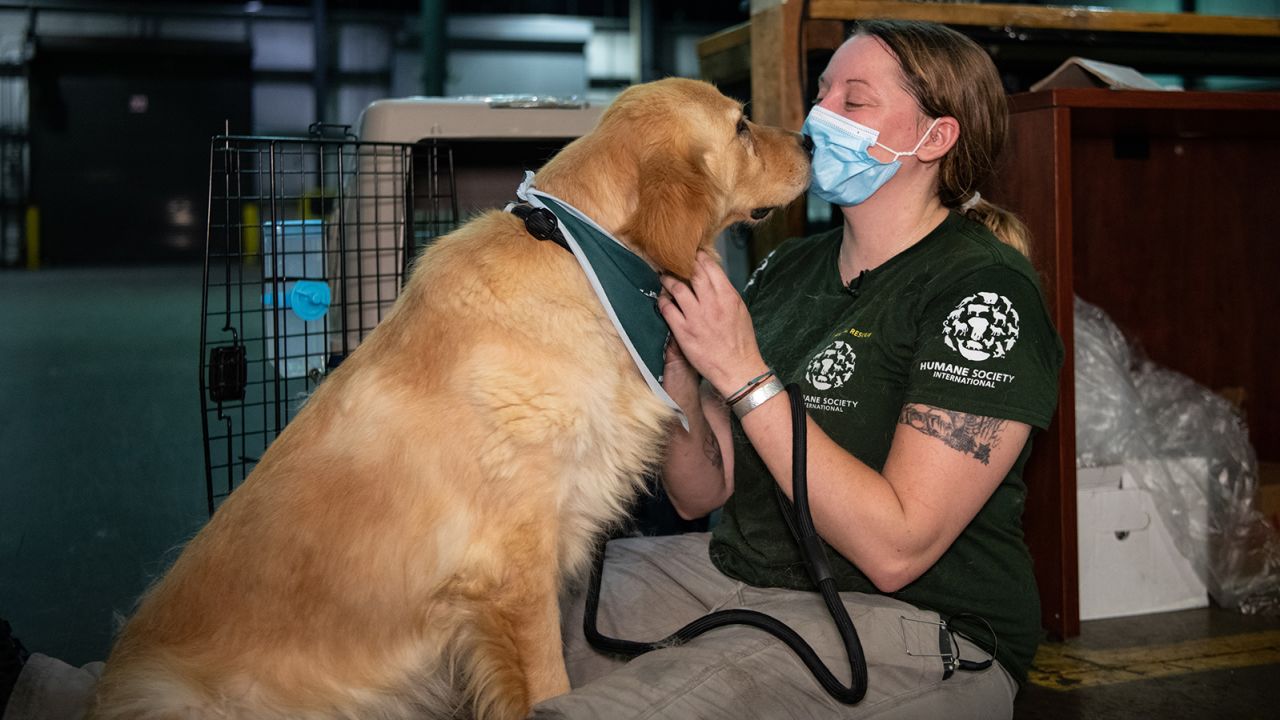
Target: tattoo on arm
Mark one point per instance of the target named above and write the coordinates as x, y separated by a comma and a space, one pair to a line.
974, 435
711, 448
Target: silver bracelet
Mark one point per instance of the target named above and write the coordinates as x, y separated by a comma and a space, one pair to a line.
757, 397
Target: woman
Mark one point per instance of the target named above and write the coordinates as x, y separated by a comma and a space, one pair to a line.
919, 337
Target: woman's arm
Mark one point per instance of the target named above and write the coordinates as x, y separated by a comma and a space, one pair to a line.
698, 470
942, 466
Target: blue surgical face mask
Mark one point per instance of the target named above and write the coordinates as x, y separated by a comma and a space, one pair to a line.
843, 172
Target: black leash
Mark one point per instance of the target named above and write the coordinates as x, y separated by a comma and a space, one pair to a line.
816, 562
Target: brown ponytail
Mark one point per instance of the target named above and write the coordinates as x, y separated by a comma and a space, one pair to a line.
1006, 226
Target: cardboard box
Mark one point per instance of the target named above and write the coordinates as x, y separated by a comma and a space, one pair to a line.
1129, 564
1078, 72
1269, 490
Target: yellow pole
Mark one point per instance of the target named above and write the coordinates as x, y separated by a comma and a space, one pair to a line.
33, 237
251, 233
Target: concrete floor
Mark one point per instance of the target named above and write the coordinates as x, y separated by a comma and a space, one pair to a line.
1206, 663
102, 477
101, 458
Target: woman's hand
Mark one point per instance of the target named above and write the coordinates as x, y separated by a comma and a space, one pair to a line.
711, 325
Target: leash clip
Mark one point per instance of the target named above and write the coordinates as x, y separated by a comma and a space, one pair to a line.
950, 659
948, 648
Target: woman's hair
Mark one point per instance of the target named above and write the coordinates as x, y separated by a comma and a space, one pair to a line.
949, 75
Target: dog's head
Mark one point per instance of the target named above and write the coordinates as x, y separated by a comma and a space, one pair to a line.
682, 162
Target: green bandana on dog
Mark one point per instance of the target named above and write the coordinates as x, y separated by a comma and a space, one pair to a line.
625, 285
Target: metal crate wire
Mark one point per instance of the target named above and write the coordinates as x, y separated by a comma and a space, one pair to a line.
309, 241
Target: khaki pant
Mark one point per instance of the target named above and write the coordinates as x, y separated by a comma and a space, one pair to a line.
653, 586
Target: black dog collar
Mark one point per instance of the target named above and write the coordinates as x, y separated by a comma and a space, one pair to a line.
540, 222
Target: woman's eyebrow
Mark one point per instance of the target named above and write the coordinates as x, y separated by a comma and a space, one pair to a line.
863, 86
824, 82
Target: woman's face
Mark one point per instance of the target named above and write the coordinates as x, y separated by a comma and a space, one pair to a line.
864, 83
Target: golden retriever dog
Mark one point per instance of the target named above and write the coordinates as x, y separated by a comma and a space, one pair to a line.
399, 549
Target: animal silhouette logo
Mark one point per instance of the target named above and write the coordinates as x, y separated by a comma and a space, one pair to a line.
832, 367
984, 325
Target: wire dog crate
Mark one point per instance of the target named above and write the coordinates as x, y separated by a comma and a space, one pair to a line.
310, 238
309, 241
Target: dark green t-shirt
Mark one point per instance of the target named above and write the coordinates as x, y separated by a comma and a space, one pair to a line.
956, 321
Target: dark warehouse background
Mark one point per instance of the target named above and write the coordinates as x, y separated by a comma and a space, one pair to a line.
105, 107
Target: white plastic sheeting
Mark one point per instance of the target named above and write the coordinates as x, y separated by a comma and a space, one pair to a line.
1131, 412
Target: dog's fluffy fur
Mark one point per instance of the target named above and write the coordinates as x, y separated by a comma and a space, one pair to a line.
399, 549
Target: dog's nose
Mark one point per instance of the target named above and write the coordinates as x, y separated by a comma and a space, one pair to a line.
806, 142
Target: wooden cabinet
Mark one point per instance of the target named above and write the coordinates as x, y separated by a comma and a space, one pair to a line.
1162, 208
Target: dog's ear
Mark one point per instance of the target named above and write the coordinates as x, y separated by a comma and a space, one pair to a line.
676, 209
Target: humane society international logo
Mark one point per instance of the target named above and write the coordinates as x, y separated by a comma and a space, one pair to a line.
832, 367
982, 326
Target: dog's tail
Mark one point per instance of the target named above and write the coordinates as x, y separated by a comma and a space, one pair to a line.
490, 671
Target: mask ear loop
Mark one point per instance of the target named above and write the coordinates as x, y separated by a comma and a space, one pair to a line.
913, 150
